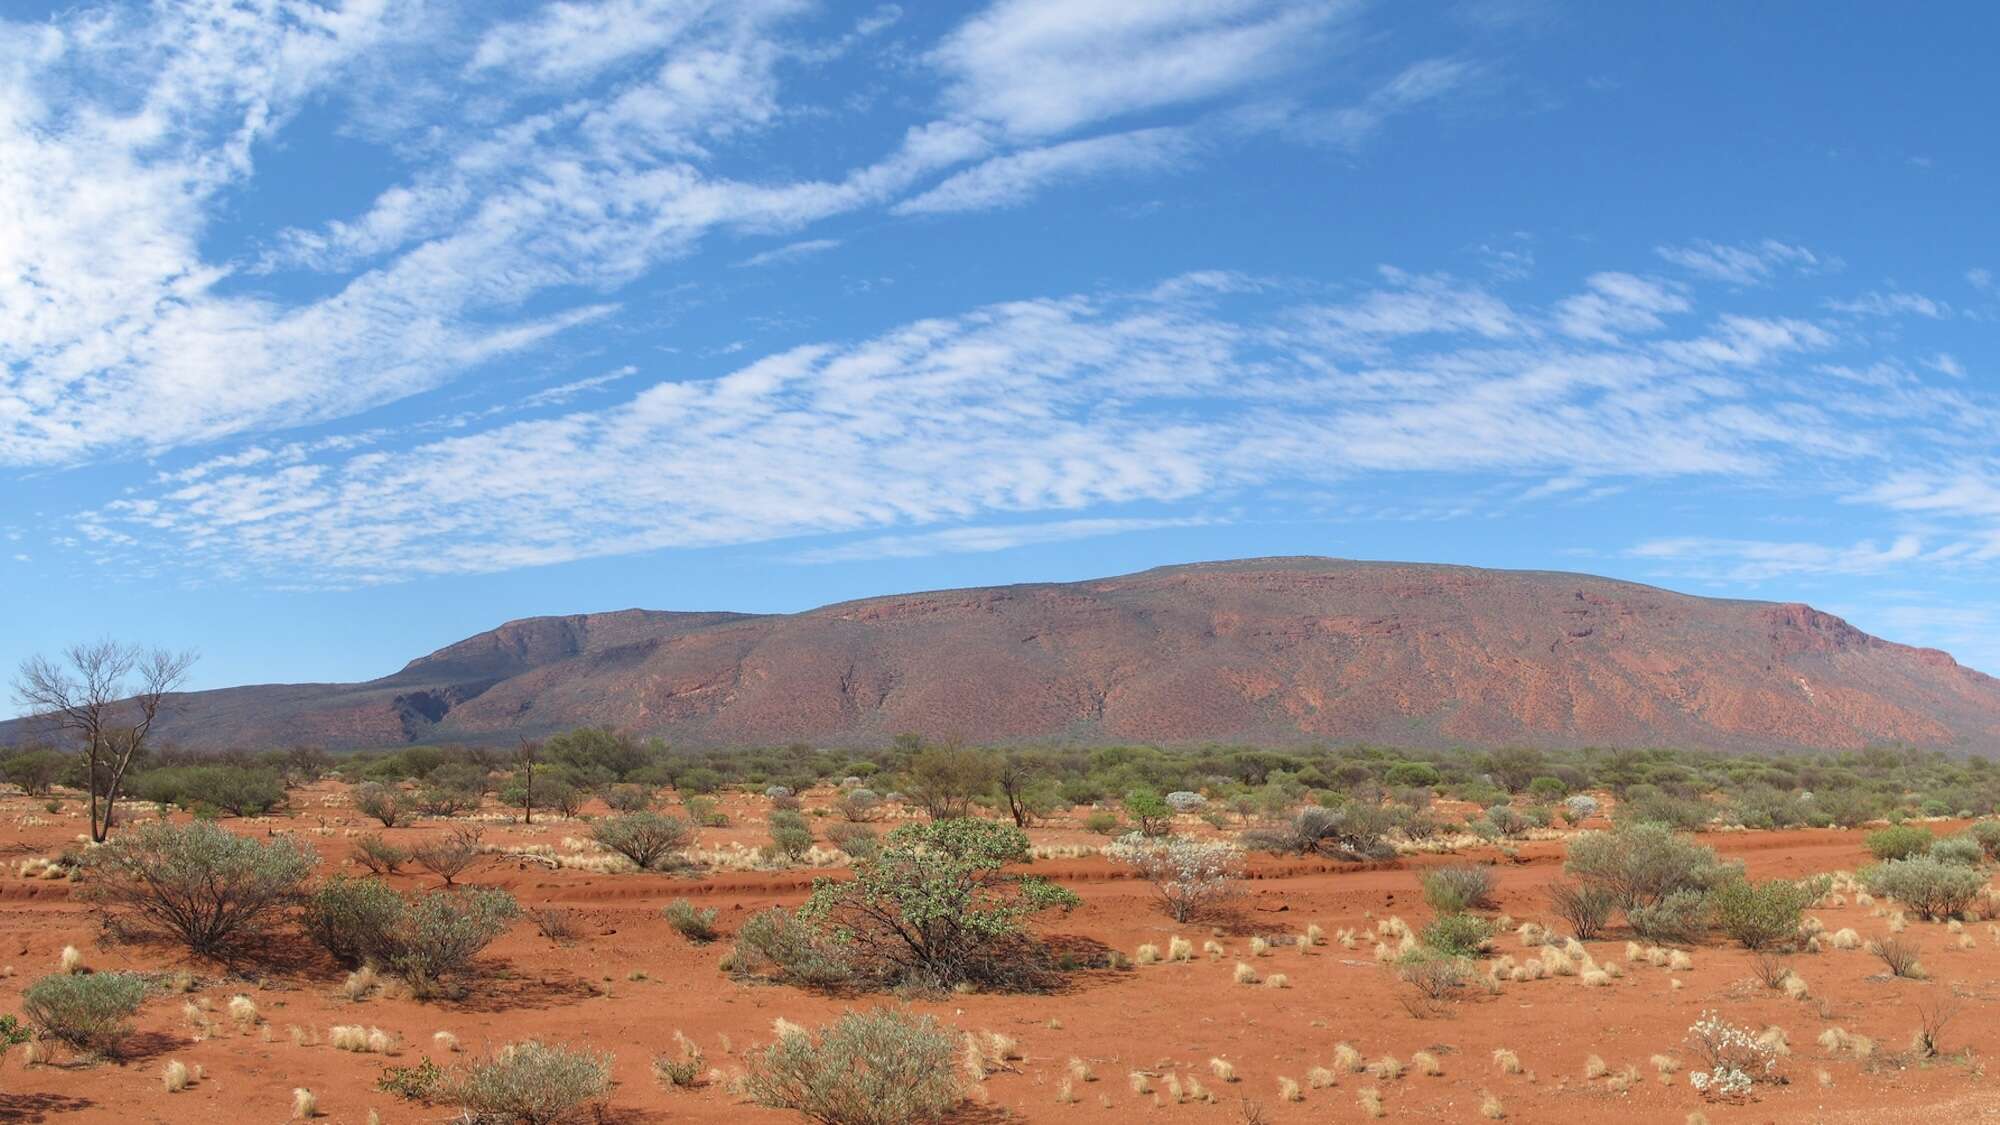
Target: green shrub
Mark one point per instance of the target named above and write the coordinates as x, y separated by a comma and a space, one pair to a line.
693, 923
648, 839
1356, 830
869, 1068
232, 789
857, 840
439, 935
378, 855
791, 837
529, 1083
1848, 808
1645, 805
1587, 908
1681, 918
629, 797
87, 1011
355, 920
1899, 842
704, 812
1643, 863
1764, 915
448, 856
1103, 822
1962, 849
1930, 887
211, 889
1987, 832
1457, 935
935, 909
1461, 887
774, 943
419, 1083
385, 803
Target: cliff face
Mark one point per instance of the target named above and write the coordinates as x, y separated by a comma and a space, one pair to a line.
1265, 650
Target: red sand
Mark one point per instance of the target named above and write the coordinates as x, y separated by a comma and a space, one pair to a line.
1158, 1018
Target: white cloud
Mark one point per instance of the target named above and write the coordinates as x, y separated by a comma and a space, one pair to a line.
1006, 181
1419, 84
997, 537
1618, 304
1060, 407
1042, 67
1752, 264
1890, 304
1752, 560
791, 252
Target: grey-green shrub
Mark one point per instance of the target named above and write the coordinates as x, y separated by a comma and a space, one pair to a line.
438, 936
1930, 887
1764, 915
529, 1083
210, 888
857, 840
774, 943
1643, 863
646, 838
1681, 918
1987, 832
1962, 849
87, 1011
1457, 935
1585, 907
1459, 887
883, 1067
1900, 841
354, 920
692, 922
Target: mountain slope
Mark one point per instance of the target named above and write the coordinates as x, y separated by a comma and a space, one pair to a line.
1265, 650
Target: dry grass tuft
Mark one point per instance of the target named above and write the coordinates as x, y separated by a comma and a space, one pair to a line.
71, 960
1491, 1109
1507, 1061
1593, 1067
1426, 1063
1148, 954
1288, 1091
1346, 1058
444, 1041
1277, 980
1141, 1082
1319, 1078
1180, 949
242, 1013
1223, 1069
174, 1076
1245, 974
1371, 1102
304, 1104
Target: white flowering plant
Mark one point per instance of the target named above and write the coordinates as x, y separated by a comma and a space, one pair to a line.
1190, 875
1735, 1058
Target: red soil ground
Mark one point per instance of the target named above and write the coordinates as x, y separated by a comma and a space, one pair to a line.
1160, 1019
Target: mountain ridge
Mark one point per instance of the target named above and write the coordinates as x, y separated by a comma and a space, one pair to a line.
1282, 650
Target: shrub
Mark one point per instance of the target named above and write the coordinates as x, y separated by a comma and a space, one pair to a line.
1900, 956
858, 805
1355, 830
559, 924
385, 803
776, 944
87, 1011
1644, 804
1436, 976
449, 855
1961, 849
1764, 915
629, 797
1186, 801
1930, 887
353, 919
211, 889
1585, 907
438, 936
693, 923
1189, 875
231, 789
1733, 1058
934, 908
944, 783
703, 811
1457, 935
1642, 864
1102, 822
1899, 842
868, 1068
791, 837
1847, 808
1681, 918
529, 1083
1460, 887
1149, 811
645, 838
857, 840
419, 1083
378, 855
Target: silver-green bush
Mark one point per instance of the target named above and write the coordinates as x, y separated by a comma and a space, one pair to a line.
883, 1067
87, 1011
529, 1083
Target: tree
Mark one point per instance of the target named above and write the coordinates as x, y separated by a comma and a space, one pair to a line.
1022, 778
35, 770
1190, 875
526, 756
106, 696
945, 782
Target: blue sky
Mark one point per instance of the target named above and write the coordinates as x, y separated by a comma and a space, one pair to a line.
333, 332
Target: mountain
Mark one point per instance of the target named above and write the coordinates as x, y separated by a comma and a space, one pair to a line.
1276, 651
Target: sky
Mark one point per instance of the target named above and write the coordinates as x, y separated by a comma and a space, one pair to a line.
333, 332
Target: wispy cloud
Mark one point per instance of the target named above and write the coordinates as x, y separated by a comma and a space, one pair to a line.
791, 252
1890, 304
1752, 264
994, 537
1006, 181
1752, 560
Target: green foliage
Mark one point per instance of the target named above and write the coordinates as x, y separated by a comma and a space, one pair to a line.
34, 770
1356, 830
935, 908
1149, 811
1681, 918
1963, 848
1457, 935
693, 923
385, 803
648, 839
791, 836
1899, 842
944, 783
1764, 915
209, 888
1987, 832
774, 943
859, 841
704, 812
1931, 888
628, 797
1649, 805
1642, 863
87, 1011
439, 935
1460, 887
378, 855
529, 1083
1103, 822
232, 789
419, 1083
882, 1067
1586, 907
354, 920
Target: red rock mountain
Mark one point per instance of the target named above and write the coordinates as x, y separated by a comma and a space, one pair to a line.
1277, 651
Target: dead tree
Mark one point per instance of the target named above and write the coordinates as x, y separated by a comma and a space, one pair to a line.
106, 696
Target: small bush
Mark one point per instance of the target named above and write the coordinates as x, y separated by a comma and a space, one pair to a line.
857, 840
1435, 976
1961, 849
703, 811
212, 889
1899, 842
1900, 956
529, 1083
86, 1011
628, 798
859, 805
419, 1083
693, 923
1930, 887
1586, 908
869, 1068
1355, 831
1681, 918
648, 839
1987, 832
448, 856
353, 919
1457, 935
1102, 822
1190, 876
774, 943
557, 923
439, 935
378, 855
1764, 915
1643, 863
1462, 887
385, 803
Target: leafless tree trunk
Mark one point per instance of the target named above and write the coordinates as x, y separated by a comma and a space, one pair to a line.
89, 695
524, 759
